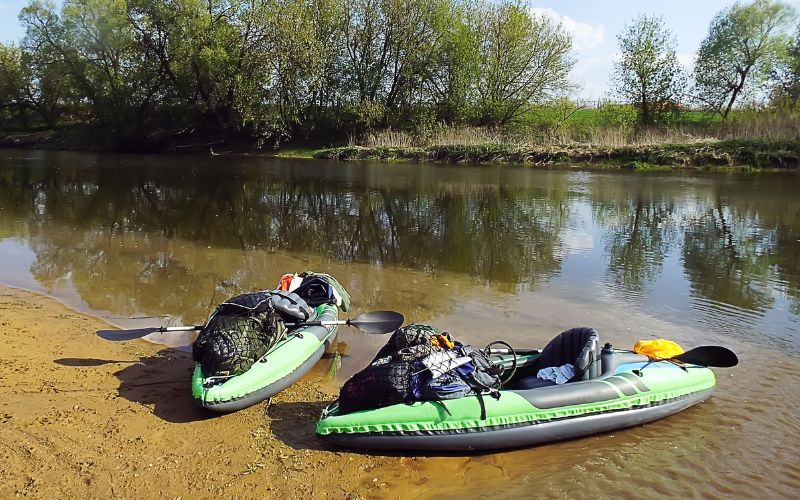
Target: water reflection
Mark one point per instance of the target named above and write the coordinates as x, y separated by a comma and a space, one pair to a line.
729, 260
494, 232
638, 234
165, 234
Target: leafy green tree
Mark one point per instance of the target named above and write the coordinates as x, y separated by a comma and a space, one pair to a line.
93, 45
13, 82
214, 53
391, 47
525, 59
452, 76
786, 77
743, 44
648, 74
306, 46
279, 69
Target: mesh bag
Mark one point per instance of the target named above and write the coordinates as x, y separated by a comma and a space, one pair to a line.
239, 333
382, 383
410, 342
394, 376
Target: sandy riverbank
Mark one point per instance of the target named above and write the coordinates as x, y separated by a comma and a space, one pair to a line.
83, 417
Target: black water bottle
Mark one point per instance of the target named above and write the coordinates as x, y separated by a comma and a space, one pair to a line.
606, 357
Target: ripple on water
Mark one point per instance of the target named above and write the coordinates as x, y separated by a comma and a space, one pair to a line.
727, 315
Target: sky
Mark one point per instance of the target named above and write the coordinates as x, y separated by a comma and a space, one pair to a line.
594, 25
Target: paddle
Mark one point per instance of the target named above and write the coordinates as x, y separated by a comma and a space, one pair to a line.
371, 322
121, 335
709, 355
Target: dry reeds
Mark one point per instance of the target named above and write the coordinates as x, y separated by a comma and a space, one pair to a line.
745, 125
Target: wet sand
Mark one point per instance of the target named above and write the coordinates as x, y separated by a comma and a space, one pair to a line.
83, 417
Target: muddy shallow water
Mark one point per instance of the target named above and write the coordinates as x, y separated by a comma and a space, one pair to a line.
487, 253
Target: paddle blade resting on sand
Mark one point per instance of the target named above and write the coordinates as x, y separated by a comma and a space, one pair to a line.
122, 335
709, 355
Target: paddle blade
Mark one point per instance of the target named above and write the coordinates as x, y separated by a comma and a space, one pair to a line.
378, 322
709, 355
122, 335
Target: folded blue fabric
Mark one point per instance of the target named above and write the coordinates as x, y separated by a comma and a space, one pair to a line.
557, 374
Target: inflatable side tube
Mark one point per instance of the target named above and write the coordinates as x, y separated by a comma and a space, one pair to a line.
270, 390
516, 436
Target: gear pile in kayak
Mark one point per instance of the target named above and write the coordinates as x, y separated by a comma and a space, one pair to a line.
240, 332
419, 363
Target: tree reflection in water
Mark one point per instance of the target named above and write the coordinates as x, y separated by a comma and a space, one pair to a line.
147, 235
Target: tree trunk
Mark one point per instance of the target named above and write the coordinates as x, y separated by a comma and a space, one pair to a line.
736, 91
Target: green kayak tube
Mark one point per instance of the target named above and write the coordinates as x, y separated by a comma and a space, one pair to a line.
629, 390
282, 366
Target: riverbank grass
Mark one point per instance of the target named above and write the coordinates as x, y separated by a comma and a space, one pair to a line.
760, 154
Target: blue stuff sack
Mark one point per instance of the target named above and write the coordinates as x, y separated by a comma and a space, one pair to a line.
446, 386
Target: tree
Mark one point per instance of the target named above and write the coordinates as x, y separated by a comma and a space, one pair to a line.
306, 50
743, 44
647, 73
12, 83
391, 47
93, 46
525, 59
28, 84
452, 77
214, 53
786, 77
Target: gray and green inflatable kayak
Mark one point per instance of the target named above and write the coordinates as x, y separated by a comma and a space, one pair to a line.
291, 358
619, 389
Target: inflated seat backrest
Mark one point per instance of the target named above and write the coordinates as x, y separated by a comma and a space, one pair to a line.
577, 346
291, 306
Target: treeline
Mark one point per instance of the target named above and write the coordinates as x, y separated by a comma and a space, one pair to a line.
147, 71
280, 68
747, 55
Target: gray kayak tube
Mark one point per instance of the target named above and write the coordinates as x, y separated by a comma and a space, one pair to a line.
516, 436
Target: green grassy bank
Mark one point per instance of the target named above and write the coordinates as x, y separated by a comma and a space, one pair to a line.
760, 154
748, 154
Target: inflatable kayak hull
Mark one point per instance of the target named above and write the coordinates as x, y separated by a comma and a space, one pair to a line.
281, 367
631, 392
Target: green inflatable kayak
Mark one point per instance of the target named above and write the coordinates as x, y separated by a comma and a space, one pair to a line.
615, 389
283, 365
258, 344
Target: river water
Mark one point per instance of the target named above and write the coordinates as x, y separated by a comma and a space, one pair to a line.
484, 252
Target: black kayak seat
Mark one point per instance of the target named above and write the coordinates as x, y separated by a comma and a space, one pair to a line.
577, 346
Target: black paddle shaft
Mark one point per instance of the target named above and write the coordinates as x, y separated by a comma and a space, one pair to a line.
371, 322
137, 333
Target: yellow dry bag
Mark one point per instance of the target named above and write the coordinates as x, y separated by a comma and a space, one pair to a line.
658, 348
